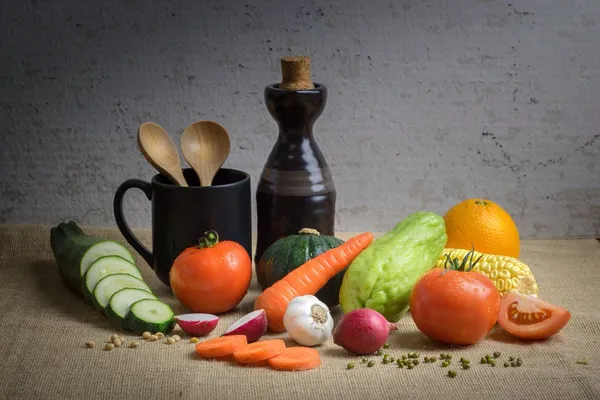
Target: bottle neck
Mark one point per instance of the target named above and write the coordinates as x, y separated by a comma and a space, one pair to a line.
295, 111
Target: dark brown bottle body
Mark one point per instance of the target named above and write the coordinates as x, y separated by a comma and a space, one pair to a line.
296, 189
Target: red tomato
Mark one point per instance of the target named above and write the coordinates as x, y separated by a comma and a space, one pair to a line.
528, 317
213, 277
454, 307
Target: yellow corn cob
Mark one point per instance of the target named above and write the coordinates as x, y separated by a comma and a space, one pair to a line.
507, 273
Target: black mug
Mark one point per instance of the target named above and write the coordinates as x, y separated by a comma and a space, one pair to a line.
181, 215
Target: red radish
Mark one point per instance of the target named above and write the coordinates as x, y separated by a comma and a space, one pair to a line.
362, 331
197, 324
252, 325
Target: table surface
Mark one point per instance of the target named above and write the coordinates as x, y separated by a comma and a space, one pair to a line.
44, 327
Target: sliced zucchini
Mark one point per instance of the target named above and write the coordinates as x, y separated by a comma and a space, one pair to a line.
75, 251
149, 315
121, 301
101, 249
104, 266
111, 284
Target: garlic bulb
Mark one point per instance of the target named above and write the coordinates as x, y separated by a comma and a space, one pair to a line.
308, 321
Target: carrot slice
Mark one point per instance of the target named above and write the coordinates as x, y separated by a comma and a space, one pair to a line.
296, 359
259, 351
309, 278
221, 347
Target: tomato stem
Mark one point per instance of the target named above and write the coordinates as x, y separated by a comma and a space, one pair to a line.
209, 239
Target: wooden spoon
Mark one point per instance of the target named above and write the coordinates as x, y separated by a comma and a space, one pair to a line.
159, 149
205, 146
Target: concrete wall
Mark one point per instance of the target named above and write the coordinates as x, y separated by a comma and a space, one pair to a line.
430, 101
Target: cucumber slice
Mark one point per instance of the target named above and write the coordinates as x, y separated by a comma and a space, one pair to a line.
121, 302
102, 249
111, 284
104, 266
149, 315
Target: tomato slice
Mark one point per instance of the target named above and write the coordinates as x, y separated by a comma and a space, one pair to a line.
528, 317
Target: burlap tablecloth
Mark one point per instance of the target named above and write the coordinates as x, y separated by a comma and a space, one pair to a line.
43, 328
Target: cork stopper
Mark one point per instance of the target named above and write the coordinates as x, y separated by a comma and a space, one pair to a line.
295, 73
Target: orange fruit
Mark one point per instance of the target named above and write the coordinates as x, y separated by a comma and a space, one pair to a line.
482, 224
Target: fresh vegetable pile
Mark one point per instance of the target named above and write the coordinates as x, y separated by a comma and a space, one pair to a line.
455, 294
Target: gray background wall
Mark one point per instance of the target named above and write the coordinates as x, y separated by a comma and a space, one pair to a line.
430, 102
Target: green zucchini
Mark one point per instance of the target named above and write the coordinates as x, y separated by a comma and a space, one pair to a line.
121, 302
149, 315
102, 267
111, 284
75, 251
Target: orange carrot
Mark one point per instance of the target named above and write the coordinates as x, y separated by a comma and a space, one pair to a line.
309, 278
221, 347
259, 351
296, 359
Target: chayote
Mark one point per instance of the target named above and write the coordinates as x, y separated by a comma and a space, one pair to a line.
383, 275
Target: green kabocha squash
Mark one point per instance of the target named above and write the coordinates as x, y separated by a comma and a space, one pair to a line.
290, 252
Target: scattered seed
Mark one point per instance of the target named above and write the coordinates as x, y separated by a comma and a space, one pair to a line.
409, 366
513, 364
133, 345
433, 359
109, 346
511, 358
426, 360
170, 341
506, 364
452, 373
146, 335
386, 355
386, 345
114, 337
90, 344
582, 362
416, 362
194, 340
160, 335
117, 342
466, 366
379, 352
176, 337
404, 356
364, 360
483, 360
493, 363
370, 363
392, 359
153, 338
445, 364
386, 361
497, 354
350, 366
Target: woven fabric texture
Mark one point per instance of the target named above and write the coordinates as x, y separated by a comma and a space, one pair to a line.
43, 328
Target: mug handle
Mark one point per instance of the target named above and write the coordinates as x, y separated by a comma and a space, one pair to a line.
122, 224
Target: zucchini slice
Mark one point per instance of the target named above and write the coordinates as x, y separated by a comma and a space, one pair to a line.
111, 284
121, 302
104, 266
101, 249
149, 315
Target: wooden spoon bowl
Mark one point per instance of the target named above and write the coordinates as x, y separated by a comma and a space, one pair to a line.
205, 146
160, 151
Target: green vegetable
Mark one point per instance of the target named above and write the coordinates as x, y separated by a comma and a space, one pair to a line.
290, 252
383, 275
74, 252
111, 284
102, 267
121, 301
149, 315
